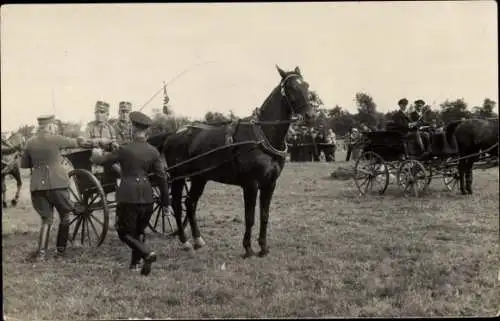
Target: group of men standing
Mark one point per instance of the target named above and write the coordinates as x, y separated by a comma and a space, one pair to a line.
49, 184
307, 144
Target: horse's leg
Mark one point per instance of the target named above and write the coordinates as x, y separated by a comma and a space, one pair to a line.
468, 175
19, 181
462, 165
195, 191
176, 193
4, 192
250, 198
266, 195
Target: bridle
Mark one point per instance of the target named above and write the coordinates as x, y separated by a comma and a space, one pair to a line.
293, 109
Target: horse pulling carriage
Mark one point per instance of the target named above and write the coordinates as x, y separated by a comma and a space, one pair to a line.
414, 161
92, 189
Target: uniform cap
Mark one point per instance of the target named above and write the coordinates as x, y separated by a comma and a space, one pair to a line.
101, 106
45, 119
403, 101
125, 105
419, 102
140, 120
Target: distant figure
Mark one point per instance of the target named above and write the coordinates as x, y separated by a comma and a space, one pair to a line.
329, 152
353, 138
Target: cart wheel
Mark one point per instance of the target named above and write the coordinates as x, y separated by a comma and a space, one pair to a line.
412, 178
91, 212
370, 168
163, 222
451, 178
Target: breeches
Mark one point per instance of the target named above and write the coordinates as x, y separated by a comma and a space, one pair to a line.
44, 203
132, 220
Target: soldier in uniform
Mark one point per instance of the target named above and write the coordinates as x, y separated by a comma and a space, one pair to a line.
123, 127
100, 131
49, 180
135, 195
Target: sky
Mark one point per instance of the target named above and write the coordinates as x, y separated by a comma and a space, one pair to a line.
63, 58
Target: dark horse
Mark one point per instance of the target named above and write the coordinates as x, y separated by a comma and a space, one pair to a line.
255, 166
472, 136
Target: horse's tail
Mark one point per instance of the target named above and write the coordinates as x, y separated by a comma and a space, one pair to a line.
450, 133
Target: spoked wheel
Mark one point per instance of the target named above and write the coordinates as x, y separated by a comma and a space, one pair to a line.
89, 225
163, 222
451, 178
371, 173
412, 178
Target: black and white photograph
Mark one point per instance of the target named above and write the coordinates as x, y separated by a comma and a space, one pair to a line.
223, 160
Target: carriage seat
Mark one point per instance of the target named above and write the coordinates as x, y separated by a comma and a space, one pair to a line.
440, 145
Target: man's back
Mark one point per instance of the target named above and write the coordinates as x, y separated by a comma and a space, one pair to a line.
137, 159
42, 154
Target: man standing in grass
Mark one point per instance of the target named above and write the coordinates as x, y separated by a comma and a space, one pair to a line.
49, 181
134, 196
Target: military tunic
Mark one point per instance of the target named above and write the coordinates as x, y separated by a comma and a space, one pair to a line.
97, 129
123, 130
49, 178
135, 193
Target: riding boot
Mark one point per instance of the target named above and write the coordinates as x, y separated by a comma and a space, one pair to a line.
136, 245
62, 238
43, 240
135, 259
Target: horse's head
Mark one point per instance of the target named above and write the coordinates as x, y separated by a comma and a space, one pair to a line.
296, 92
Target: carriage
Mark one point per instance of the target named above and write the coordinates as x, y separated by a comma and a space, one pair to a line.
385, 153
92, 189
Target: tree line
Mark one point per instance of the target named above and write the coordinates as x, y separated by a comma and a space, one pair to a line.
337, 117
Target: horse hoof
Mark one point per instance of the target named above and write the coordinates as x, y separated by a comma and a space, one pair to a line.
13, 202
263, 253
248, 254
186, 246
199, 243
4, 204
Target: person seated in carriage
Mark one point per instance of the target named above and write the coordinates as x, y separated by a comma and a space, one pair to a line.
123, 126
406, 123
100, 132
400, 121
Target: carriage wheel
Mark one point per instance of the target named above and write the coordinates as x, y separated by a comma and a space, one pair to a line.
370, 168
90, 222
451, 178
412, 178
163, 222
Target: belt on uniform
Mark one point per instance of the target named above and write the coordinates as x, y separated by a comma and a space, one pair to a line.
136, 178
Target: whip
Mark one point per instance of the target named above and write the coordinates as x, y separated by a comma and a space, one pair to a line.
185, 71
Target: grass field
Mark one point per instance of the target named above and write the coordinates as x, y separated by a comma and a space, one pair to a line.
332, 254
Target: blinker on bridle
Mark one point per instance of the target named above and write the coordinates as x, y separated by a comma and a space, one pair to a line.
284, 94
